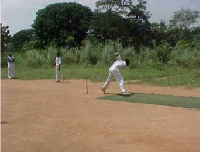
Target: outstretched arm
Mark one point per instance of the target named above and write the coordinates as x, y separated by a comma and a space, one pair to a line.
118, 56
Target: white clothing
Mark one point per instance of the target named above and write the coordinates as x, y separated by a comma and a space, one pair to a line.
58, 63
118, 64
11, 67
58, 60
114, 73
58, 74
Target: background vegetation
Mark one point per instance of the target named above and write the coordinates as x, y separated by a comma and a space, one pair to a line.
160, 54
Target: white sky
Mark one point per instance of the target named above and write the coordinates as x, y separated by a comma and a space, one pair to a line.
20, 14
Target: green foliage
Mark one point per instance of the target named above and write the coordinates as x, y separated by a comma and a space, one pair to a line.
50, 55
88, 55
107, 26
70, 41
184, 18
107, 54
159, 32
160, 65
196, 36
63, 24
29, 45
5, 38
185, 54
69, 56
163, 52
125, 8
4, 60
145, 58
23, 37
124, 21
34, 59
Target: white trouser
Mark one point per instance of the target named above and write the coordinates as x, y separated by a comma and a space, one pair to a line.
11, 70
58, 75
117, 75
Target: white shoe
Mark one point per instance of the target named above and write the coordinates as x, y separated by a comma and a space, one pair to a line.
104, 90
125, 93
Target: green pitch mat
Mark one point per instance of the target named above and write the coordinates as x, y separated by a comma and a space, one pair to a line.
167, 100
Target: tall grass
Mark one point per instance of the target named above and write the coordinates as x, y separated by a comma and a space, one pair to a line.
92, 54
160, 65
186, 57
34, 58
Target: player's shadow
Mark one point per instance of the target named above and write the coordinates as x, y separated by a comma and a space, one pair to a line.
12, 78
108, 93
125, 95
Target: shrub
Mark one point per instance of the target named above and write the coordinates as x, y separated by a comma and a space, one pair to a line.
50, 55
4, 60
89, 54
185, 55
107, 54
68, 56
163, 52
34, 58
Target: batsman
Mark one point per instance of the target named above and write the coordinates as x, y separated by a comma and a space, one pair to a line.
115, 73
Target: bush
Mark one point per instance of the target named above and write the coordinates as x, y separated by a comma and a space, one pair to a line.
68, 56
50, 55
89, 54
184, 54
92, 54
4, 60
163, 52
34, 59
107, 54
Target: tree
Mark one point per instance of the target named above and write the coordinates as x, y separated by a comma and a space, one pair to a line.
125, 8
180, 23
137, 28
196, 34
5, 38
22, 37
184, 18
159, 32
107, 26
60, 23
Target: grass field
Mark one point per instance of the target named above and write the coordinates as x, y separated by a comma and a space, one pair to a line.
173, 101
160, 75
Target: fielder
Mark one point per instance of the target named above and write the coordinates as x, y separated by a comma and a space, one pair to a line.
58, 66
114, 73
11, 66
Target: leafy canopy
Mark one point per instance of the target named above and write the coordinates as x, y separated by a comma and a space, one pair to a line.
5, 38
184, 18
22, 37
62, 24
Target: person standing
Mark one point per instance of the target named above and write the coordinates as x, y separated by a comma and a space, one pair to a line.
58, 67
115, 73
11, 66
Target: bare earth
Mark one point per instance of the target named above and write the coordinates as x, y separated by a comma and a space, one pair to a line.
44, 116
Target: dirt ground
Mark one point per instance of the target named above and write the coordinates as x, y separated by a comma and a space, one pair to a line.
44, 116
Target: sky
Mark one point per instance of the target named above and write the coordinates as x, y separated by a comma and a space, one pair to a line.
20, 14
